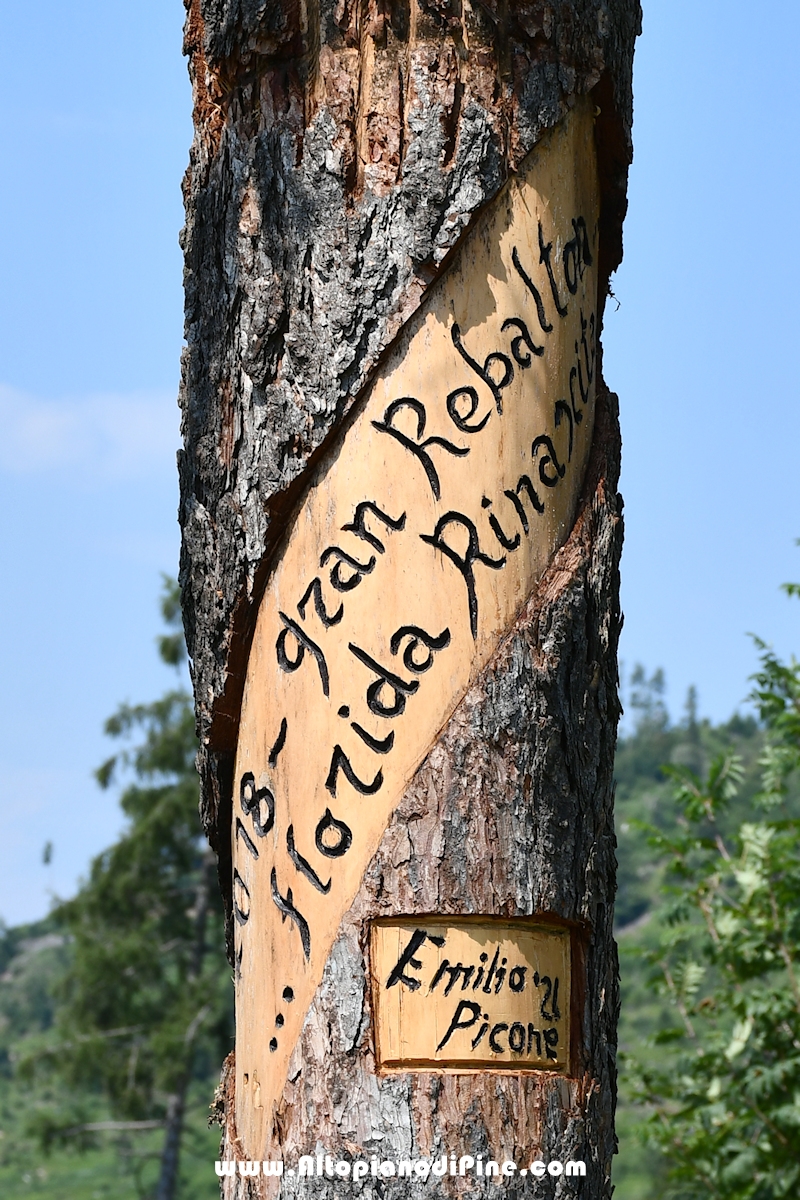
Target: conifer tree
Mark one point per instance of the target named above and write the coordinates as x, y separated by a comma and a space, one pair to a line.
148, 988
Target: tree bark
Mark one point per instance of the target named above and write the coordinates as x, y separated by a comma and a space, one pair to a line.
342, 151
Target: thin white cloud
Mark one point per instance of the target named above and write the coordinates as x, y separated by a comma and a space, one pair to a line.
102, 436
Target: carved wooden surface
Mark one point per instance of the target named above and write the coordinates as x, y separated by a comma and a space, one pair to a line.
341, 152
470, 994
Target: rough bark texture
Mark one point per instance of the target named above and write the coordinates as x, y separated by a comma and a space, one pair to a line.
341, 151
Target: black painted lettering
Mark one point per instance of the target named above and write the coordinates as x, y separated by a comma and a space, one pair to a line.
401, 688
579, 225
544, 324
524, 485
562, 408
547, 984
497, 1029
443, 966
304, 642
340, 761
534, 1033
378, 745
459, 970
479, 976
571, 267
576, 412
574, 262
315, 589
543, 442
520, 510
544, 258
244, 836
358, 525
577, 255
587, 326
487, 987
257, 803
464, 1007
480, 1035
463, 562
407, 959
503, 539
418, 637
462, 420
516, 978
241, 899
582, 387
521, 357
516, 1038
280, 742
550, 1041
327, 825
416, 447
303, 866
286, 907
345, 583
484, 372
551, 1012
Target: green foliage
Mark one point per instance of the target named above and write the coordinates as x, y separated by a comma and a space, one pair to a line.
142, 1005
30, 956
777, 693
722, 1080
107, 1166
645, 798
644, 792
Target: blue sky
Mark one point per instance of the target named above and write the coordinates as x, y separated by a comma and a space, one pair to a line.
701, 350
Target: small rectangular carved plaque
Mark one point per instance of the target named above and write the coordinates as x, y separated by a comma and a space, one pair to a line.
466, 993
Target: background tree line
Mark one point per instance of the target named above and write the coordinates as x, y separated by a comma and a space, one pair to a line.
116, 1011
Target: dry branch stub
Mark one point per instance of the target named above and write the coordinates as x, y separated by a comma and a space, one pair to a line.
400, 571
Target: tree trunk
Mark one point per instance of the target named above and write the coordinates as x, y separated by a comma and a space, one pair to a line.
167, 1184
358, 175
170, 1154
